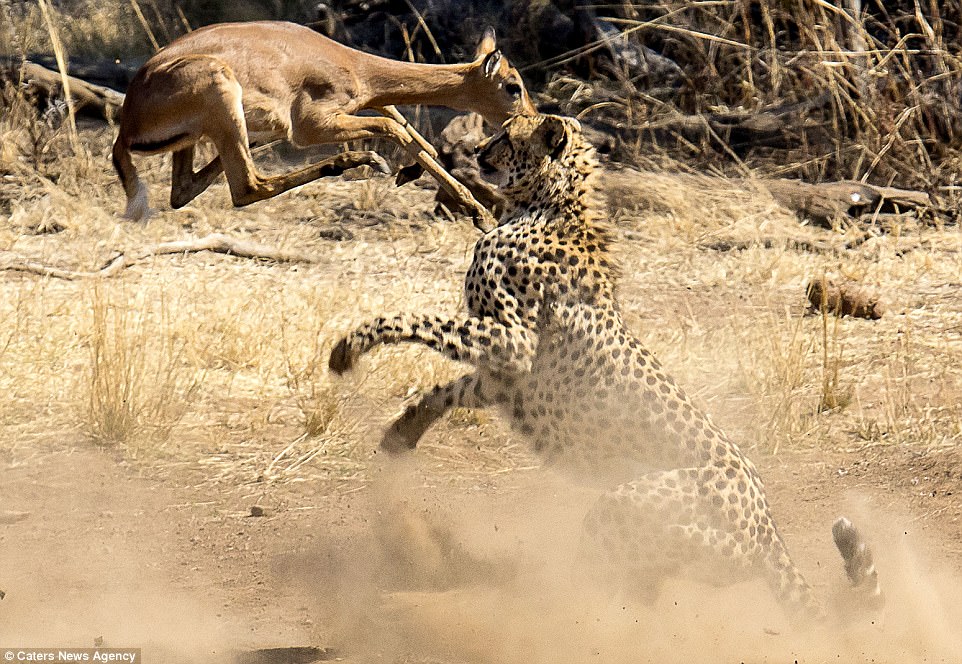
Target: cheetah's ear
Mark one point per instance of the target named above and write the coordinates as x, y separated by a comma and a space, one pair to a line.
554, 134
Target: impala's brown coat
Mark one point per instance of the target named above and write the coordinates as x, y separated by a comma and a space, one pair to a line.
235, 82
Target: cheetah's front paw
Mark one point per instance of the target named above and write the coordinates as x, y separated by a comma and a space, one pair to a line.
342, 357
396, 440
405, 432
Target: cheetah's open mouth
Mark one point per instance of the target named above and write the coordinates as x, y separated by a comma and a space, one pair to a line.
489, 173
485, 166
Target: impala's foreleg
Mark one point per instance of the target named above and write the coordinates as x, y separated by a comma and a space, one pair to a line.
481, 342
317, 124
247, 186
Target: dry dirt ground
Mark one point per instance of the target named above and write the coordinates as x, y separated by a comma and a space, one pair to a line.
145, 415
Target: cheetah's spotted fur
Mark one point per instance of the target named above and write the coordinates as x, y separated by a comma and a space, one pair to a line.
546, 337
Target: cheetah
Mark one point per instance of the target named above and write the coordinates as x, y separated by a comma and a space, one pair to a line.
546, 338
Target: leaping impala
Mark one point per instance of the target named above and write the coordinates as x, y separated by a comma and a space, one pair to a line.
274, 80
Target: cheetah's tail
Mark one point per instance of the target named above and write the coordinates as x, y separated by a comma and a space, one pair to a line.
859, 563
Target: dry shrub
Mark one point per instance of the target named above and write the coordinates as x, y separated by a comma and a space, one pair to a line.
875, 92
38, 158
31, 137
88, 28
138, 384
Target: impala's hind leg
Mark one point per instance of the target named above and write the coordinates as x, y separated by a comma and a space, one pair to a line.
185, 183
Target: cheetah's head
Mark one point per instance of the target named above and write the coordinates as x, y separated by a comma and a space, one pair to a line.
520, 157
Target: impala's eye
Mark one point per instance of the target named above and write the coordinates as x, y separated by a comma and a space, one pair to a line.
513, 89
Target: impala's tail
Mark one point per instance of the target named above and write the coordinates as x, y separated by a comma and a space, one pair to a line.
859, 564
135, 189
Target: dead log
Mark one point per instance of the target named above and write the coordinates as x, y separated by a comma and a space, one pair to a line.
45, 85
843, 299
107, 72
779, 127
630, 60
216, 242
827, 202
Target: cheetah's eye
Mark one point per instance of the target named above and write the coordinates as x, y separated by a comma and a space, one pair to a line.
513, 89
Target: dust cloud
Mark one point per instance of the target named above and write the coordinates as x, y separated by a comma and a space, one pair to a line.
459, 579
446, 574
107, 594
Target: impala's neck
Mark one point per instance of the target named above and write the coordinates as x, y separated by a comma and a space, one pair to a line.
408, 83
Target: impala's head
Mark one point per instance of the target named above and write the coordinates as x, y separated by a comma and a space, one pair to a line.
500, 92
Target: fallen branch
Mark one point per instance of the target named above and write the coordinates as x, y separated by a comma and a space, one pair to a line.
88, 99
826, 202
217, 243
797, 244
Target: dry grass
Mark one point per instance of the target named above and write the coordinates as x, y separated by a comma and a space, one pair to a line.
880, 83
88, 28
216, 362
732, 324
220, 363
137, 382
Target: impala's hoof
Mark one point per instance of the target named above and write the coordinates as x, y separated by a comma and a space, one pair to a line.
408, 174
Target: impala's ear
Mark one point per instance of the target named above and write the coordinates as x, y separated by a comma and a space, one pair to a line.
492, 64
554, 134
487, 44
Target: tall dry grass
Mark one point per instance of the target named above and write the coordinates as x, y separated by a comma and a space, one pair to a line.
89, 29
138, 383
876, 87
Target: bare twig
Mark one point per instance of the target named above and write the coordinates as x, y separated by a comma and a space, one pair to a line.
217, 243
62, 66
143, 22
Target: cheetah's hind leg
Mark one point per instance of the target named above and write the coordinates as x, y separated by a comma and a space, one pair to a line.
644, 532
690, 523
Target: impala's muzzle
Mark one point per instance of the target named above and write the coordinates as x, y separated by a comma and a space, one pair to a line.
482, 153
485, 166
